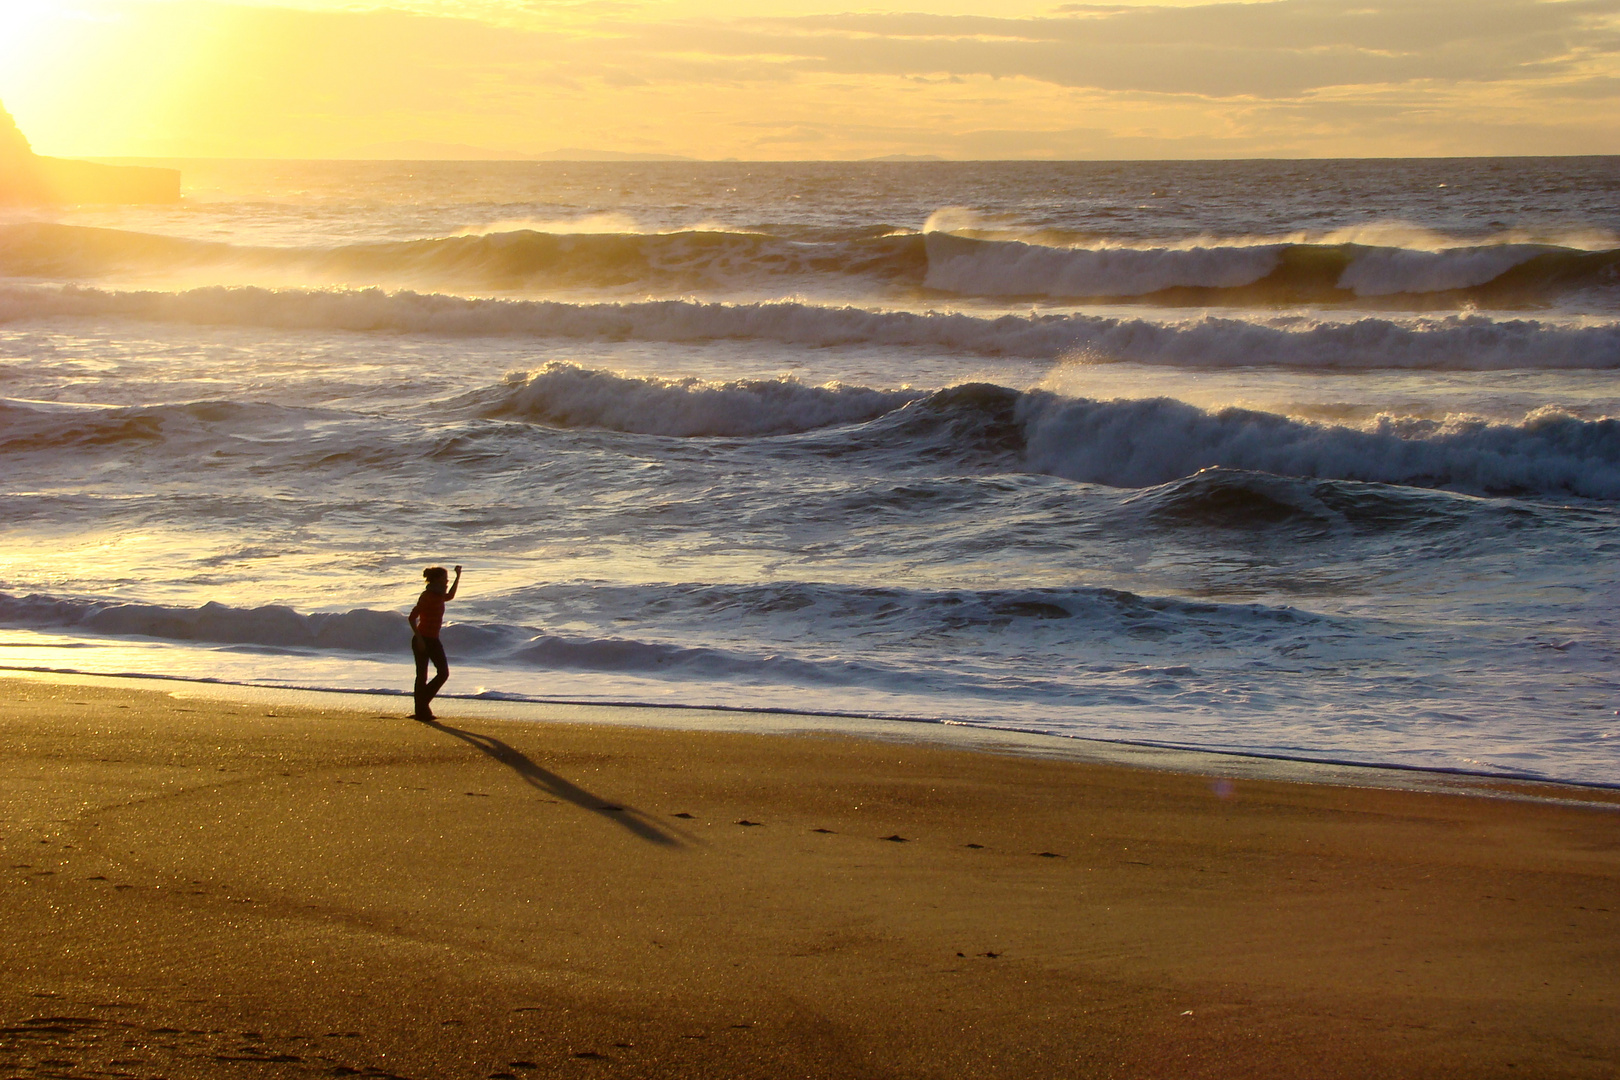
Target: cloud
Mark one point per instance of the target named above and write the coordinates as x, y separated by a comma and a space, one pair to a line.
1281, 48
1280, 77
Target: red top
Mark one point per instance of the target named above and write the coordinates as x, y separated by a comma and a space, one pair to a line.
428, 614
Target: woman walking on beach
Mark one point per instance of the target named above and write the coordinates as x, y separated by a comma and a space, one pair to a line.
425, 619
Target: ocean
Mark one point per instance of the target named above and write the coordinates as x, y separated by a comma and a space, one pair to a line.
1312, 459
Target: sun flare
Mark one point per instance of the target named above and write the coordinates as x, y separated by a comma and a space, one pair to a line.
93, 79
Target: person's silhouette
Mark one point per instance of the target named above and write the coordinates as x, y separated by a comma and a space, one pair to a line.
426, 618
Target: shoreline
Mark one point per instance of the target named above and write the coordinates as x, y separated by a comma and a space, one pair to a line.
302, 891
1231, 764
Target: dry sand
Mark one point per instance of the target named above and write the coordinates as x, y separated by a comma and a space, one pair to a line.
205, 889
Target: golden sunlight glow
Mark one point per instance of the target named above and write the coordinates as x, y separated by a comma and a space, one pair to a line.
810, 78
96, 78
35, 39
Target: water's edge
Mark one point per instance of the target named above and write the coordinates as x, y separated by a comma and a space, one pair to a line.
1218, 765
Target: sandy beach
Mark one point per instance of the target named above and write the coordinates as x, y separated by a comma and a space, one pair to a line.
199, 888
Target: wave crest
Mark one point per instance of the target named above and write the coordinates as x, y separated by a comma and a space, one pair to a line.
565, 395
974, 426
1465, 343
1013, 268
1150, 442
1122, 443
1234, 271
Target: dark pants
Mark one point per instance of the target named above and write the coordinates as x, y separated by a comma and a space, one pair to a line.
425, 649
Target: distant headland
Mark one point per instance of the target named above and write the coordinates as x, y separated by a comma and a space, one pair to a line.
27, 178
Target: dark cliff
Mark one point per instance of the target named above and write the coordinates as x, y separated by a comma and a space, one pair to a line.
27, 178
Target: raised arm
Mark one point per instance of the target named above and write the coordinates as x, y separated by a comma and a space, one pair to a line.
454, 585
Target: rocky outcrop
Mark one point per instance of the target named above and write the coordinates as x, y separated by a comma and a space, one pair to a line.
27, 178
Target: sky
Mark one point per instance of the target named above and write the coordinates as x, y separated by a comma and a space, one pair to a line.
814, 79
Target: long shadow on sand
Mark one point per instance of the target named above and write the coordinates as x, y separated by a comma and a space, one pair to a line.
552, 784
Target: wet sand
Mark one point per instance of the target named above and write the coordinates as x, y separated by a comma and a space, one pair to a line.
198, 888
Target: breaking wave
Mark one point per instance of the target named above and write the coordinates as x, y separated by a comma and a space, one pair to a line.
980, 426
1488, 274
564, 395
519, 260
1150, 442
1221, 271
1452, 342
1146, 443
1122, 443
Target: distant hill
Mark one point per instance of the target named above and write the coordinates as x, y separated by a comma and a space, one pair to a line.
27, 178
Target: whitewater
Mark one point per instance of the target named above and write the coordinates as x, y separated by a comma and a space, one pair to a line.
1318, 460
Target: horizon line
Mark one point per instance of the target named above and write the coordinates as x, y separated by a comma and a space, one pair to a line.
884, 159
